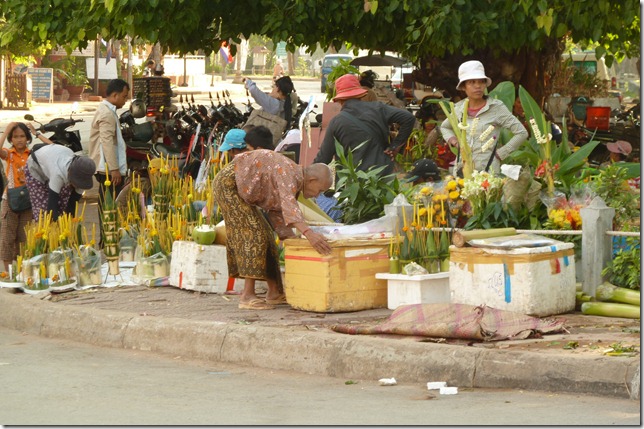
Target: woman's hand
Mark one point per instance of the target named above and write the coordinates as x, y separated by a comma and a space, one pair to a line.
318, 242
31, 128
453, 141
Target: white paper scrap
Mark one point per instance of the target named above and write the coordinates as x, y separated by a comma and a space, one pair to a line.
512, 171
435, 385
387, 381
448, 390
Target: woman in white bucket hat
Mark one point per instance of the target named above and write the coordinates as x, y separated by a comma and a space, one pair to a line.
490, 112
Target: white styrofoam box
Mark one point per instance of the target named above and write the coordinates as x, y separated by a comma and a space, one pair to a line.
418, 289
199, 267
202, 268
537, 281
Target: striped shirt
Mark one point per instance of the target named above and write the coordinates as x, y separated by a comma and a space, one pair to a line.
493, 113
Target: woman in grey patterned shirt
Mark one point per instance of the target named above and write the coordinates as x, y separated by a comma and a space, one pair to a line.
492, 116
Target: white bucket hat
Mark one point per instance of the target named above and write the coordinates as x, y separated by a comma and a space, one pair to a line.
471, 70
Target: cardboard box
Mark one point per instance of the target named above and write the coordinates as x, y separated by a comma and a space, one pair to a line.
538, 281
419, 289
344, 280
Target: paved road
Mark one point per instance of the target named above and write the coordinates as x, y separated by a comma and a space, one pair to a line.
55, 382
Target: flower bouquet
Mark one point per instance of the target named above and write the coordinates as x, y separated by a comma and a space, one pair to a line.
111, 236
60, 271
12, 278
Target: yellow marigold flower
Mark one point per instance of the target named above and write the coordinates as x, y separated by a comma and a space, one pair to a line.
55, 278
454, 195
4, 275
39, 234
107, 182
436, 198
154, 232
461, 182
451, 185
431, 211
426, 190
136, 190
454, 211
414, 224
405, 228
422, 212
442, 197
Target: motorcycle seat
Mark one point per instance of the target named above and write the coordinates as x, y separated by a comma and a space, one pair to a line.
167, 151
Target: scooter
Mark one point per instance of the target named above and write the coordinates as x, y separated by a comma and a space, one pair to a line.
58, 126
137, 136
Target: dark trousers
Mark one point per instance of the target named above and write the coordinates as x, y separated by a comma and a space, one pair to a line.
100, 177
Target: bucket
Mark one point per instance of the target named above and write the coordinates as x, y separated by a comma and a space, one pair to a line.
598, 117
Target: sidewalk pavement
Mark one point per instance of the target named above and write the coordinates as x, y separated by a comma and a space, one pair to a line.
210, 327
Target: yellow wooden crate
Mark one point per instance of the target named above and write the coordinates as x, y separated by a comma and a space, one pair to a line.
344, 280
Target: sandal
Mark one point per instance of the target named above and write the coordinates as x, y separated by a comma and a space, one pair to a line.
281, 299
255, 304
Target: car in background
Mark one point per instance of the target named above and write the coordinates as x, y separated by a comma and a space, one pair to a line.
327, 64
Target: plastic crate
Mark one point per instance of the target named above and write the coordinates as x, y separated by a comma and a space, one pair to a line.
598, 117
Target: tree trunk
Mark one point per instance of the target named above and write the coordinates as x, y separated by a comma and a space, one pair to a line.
531, 68
290, 57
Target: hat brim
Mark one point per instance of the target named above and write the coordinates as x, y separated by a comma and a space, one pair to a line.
616, 148
460, 83
352, 93
409, 178
87, 183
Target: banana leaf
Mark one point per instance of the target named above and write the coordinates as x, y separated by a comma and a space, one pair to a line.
443, 251
576, 159
432, 251
504, 91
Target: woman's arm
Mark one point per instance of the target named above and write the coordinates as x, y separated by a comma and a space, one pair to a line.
40, 136
268, 103
4, 153
520, 134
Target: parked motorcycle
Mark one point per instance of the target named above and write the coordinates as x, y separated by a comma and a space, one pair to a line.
137, 136
61, 136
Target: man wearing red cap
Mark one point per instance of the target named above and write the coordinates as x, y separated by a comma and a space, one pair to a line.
360, 122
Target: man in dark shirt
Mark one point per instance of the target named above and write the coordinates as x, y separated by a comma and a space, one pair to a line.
360, 121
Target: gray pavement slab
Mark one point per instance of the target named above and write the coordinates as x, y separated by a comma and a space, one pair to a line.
177, 322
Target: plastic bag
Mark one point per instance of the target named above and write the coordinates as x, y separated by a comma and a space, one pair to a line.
413, 269
152, 267
127, 244
382, 227
396, 209
60, 265
88, 266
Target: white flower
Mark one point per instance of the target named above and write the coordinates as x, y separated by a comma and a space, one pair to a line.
487, 145
474, 126
535, 130
486, 133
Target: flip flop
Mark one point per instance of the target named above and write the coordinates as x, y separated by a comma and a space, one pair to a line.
255, 304
277, 301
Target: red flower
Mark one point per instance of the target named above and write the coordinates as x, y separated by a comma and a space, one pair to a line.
541, 170
485, 185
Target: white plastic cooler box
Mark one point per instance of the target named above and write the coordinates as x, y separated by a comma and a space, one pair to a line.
537, 281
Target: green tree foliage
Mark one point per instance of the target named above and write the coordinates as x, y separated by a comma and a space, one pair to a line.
523, 36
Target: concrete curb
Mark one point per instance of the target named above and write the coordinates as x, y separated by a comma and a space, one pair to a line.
323, 353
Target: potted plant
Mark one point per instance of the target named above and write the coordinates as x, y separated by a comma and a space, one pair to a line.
75, 77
